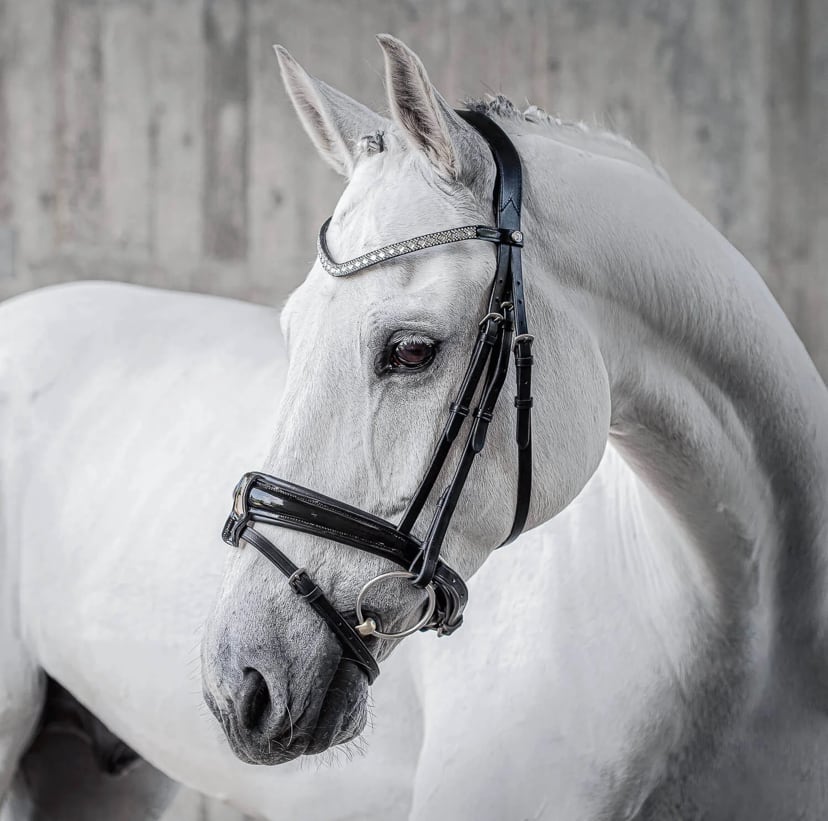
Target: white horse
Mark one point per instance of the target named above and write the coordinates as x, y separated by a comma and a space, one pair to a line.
115, 611
653, 333
662, 656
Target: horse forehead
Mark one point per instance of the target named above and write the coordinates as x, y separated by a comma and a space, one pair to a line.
323, 304
323, 308
378, 209
432, 286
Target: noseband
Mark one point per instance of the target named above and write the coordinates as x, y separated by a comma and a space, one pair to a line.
263, 499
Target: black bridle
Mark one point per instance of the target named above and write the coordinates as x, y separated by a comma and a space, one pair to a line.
264, 499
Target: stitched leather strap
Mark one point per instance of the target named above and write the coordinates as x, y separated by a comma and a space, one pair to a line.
523, 433
485, 343
508, 194
476, 441
302, 584
263, 499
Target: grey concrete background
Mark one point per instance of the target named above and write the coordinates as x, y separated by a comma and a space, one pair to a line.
151, 140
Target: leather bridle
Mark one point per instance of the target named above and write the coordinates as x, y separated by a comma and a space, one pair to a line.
263, 499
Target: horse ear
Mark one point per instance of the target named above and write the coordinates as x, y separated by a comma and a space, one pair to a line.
428, 121
334, 122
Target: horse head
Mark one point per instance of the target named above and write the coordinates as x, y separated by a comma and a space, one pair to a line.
377, 351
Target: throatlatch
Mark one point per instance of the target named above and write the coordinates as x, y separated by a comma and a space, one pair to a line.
264, 499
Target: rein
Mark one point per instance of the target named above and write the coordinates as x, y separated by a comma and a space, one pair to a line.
263, 499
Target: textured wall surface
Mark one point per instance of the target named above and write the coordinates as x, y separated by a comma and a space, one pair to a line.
151, 140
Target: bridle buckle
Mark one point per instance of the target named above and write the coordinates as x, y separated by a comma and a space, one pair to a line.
447, 629
493, 317
303, 585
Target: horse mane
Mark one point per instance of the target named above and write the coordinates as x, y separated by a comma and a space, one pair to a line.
597, 140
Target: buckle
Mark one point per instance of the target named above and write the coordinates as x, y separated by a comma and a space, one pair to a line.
447, 628
303, 585
506, 236
523, 350
494, 317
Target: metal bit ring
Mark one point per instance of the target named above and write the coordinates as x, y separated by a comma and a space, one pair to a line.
368, 627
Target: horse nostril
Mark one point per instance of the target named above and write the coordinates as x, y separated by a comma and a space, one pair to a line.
254, 700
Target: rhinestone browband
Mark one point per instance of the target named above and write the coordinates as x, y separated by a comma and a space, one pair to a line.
398, 249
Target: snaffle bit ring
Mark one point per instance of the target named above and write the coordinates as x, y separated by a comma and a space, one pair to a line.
368, 627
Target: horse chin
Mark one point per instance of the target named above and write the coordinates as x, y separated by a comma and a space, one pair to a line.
336, 716
344, 710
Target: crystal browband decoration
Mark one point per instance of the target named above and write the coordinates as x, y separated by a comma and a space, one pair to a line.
396, 249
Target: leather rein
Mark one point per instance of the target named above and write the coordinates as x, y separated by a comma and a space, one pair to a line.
263, 499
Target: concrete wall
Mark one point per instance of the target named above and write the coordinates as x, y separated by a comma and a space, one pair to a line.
151, 141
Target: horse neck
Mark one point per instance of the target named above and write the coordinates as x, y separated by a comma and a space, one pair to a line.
714, 400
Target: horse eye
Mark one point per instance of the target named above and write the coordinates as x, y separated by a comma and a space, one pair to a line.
411, 354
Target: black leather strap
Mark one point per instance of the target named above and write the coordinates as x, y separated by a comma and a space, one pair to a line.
475, 442
523, 433
459, 410
508, 195
306, 588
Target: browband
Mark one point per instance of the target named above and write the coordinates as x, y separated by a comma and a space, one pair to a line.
398, 249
